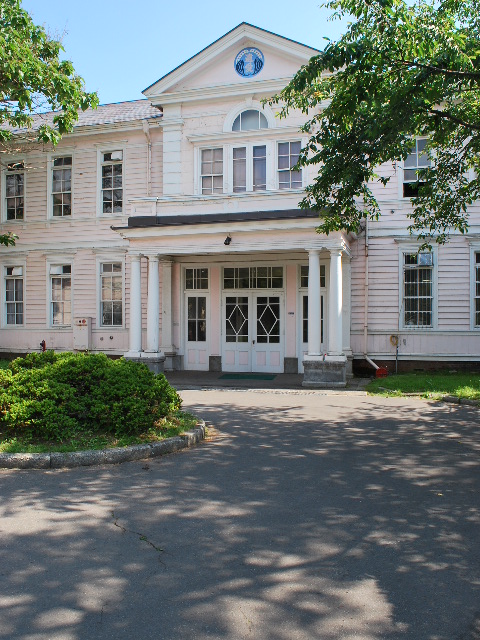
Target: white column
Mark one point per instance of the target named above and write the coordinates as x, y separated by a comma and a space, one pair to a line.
347, 303
153, 304
167, 306
335, 330
314, 303
135, 336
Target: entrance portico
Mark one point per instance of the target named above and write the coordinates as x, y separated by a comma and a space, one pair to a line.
248, 307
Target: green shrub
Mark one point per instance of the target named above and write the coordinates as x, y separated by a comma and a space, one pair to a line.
58, 395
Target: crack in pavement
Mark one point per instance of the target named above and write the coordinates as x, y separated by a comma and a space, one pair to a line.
141, 536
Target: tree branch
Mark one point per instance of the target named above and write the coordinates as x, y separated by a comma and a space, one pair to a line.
448, 116
440, 70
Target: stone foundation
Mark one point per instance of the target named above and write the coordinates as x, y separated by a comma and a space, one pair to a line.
154, 361
290, 365
324, 374
215, 364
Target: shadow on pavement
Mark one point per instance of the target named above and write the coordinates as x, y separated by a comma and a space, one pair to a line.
303, 519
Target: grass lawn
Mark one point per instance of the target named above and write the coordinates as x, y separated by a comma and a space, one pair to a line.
429, 385
87, 440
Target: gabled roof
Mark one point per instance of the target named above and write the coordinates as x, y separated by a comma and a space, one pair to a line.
243, 30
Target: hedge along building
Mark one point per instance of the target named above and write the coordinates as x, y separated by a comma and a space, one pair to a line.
168, 230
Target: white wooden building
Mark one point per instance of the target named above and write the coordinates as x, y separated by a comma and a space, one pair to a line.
168, 230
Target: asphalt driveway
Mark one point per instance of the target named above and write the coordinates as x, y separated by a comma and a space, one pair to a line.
307, 516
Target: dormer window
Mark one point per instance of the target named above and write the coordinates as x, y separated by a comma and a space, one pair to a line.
250, 120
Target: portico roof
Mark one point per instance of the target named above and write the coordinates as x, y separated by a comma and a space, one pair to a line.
211, 218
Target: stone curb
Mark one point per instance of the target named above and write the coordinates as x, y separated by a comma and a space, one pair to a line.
464, 401
57, 460
266, 390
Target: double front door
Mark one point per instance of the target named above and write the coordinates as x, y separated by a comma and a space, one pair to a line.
252, 332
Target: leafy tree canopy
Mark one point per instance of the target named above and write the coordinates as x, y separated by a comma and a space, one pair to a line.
399, 71
33, 80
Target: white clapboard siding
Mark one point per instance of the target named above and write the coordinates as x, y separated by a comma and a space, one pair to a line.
383, 284
35, 188
358, 285
157, 168
454, 285
37, 290
85, 180
85, 286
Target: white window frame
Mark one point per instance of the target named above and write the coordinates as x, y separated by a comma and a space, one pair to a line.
17, 264
107, 258
54, 268
65, 153
277, 170
235, 265
56, 260
249, 105
5, 172
411, 249
269, 165
195, 292
260, 114
196, 277
110, 148
401, 173
200, 151
474, 250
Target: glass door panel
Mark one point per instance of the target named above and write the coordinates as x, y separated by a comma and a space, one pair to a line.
267, 348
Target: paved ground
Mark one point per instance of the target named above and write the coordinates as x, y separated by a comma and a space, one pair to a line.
309, 517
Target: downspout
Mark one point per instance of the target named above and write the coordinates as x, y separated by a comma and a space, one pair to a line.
370, 361
378, 370
146, 131
365, 302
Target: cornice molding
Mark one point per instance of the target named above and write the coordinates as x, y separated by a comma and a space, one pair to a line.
254, 87
235, 136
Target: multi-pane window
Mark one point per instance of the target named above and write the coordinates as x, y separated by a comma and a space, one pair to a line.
250, 120
239, 169
418, 289
111, 304
61, 294
236, 319
259, 168
416, 162
477, 289
14, 295
14, 190
253, 278
62, 186
288, 154
197, 318
304, 276
196, 278
212, 171
112, 182
250, 168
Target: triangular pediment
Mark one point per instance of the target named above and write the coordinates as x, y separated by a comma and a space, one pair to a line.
218, 64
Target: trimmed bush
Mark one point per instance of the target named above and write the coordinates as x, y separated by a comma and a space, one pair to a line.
58, 395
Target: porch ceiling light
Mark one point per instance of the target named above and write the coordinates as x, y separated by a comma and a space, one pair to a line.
227, 240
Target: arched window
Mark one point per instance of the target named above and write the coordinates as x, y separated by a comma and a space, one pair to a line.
250, 120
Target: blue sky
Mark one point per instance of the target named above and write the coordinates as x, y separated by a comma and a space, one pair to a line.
121, 46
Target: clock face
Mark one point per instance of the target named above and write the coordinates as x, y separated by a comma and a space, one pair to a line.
249, 62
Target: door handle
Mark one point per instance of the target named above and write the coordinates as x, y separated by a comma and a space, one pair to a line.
253, 341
